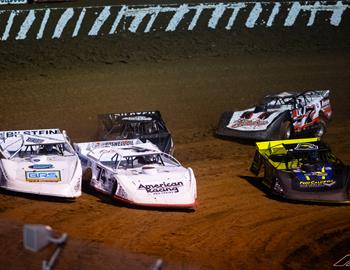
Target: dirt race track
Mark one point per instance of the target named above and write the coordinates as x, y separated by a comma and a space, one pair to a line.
191, 79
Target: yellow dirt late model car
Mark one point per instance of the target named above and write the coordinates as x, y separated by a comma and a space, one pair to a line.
302, 169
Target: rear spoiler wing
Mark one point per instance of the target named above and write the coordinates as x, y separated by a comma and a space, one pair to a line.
268, 147
130, 116
85, 147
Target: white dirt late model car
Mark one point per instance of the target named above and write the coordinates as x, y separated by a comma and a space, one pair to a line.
138, 173
280, 116
40, 162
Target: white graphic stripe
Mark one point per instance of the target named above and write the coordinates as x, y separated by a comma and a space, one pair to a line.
153, 18
194, 21
43, 24
217, 14
176, 19
117, 19
6, 33
22, 34
338, 13
233, 17
254, 15
78, 24
100, 20
62, 22
275, 11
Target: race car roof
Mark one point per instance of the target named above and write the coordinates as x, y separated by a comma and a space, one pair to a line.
299, 93
13, 140
282, 146
124, 148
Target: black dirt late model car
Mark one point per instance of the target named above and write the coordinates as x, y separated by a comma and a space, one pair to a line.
136, 125
302, 169
280, 116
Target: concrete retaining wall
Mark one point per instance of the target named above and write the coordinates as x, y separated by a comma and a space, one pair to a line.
72, 22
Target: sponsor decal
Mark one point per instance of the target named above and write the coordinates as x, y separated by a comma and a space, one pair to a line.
162, 187
248, 122
317, 183
317, 180
306, 146
133, 114
6, 2
115, 143
34, 140
137, 118
43, 176
16, 133
41, 166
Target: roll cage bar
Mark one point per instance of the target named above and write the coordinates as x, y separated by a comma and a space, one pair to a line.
286, 100
59, 147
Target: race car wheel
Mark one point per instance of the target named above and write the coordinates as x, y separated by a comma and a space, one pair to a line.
87, 175
321, 130
114, 188
285, 130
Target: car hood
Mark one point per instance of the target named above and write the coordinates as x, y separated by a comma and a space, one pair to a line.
41, 169
248, 120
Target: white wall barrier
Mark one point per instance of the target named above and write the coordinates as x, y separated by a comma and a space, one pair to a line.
112, 20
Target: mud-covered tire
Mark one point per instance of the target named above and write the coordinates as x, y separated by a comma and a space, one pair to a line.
87, 175
114, 188
285, 131
322, 128
223, 122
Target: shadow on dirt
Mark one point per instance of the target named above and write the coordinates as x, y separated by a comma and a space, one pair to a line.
236, 140
257, 182
36, 197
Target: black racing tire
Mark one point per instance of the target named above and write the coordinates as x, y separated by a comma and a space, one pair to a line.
321, 129
285, 131
87, 175
223, 122
114, 188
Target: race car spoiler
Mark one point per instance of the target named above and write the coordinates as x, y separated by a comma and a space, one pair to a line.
112, 146
269, 145
40, 132
130, 116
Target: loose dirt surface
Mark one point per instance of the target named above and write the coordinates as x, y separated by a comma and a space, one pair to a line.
236, 225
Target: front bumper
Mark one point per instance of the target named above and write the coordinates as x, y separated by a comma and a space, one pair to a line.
250, 135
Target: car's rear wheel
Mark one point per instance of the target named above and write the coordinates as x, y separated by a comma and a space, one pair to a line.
321, 130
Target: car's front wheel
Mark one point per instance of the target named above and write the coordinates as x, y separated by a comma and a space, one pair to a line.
285, 131
114, 188
321, 129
